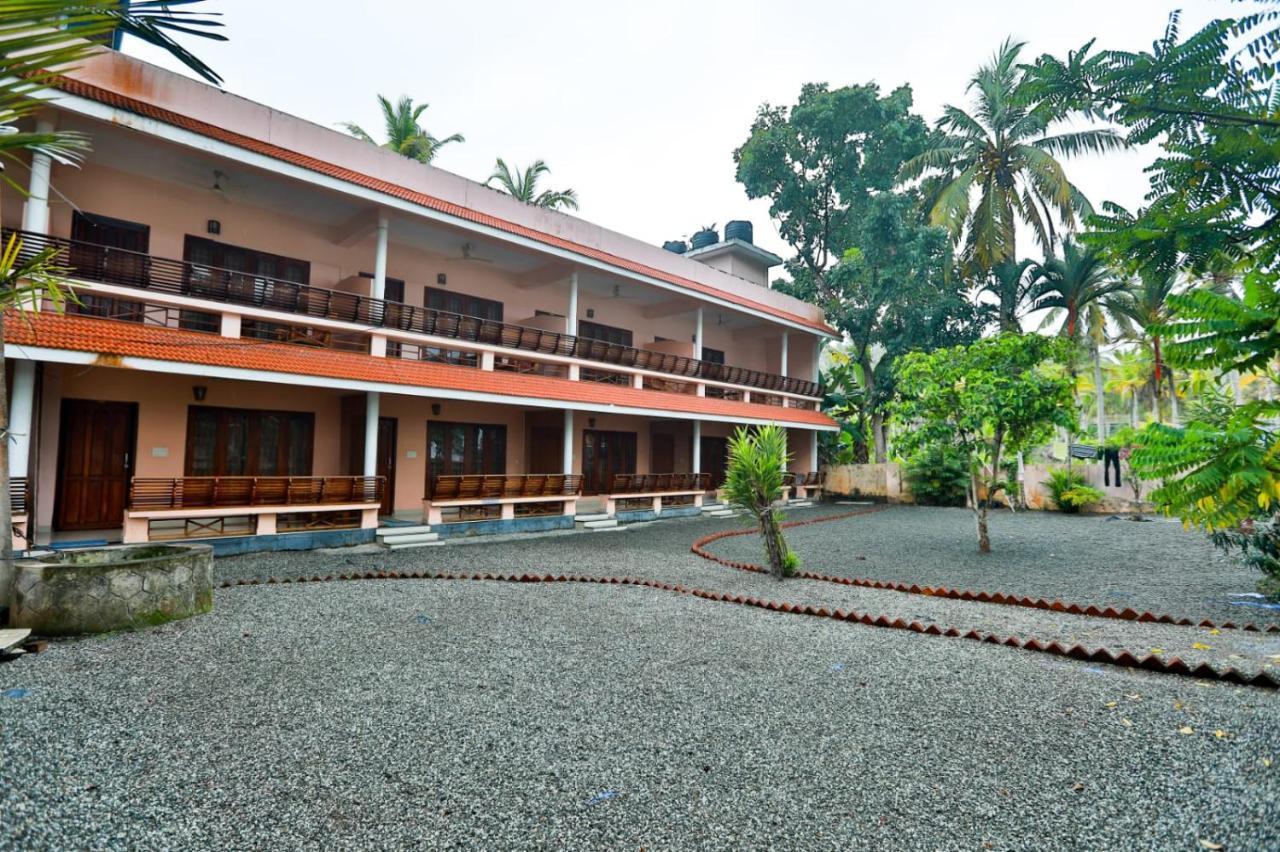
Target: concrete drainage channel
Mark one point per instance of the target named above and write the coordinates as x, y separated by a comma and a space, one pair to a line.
1122, 658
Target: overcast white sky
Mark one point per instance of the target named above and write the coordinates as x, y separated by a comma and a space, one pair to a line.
638, 106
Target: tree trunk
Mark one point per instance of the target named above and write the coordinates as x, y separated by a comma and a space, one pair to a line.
1158, 378
1173, 397
774, 546
1099, 393
979, 508
6, 509
877, 433
984, 540
877, 417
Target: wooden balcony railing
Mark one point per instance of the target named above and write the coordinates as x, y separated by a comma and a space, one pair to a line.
19, 495
499, 487
94, 262
658, 483
204, 492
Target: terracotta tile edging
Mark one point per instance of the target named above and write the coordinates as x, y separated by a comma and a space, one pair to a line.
1122, 658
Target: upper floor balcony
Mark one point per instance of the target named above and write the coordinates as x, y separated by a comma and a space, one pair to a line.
123, 284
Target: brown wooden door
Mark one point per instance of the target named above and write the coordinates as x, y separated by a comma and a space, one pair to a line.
715, 459
662, 453
387, 436
603, 455
95, 462
546, 449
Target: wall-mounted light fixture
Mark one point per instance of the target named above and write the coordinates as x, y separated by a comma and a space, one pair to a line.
442, 279
213, 226
435, 409
199, 392
591, 423
591, 313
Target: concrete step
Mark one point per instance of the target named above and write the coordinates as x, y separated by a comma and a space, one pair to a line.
707, 508
586, 519
723, 513
412, 544
410, 538
407, 529
603, 524
799, 504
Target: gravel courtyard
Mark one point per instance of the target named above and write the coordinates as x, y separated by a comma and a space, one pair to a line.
457, 714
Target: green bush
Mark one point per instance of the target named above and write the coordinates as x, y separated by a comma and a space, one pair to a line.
937, 476
1068, 491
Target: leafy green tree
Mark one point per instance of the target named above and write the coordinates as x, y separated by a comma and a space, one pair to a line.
523, 185
1220, 472
1215, 188
1076, 287
35, 41
829, 167
1003, 155
844, 398
405, 134
990, 399
754, 481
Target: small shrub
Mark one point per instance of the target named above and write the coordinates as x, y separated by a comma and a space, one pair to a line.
1068, 491
937, 476
790, 564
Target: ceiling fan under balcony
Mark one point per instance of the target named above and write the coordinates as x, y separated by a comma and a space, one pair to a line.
218, 186
617, 293
468, 257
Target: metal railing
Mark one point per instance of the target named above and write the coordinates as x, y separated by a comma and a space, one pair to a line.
94, 262
204, 492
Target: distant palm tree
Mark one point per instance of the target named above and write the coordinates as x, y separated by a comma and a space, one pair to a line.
1141, 309
1003, 155
405, 135
1129, 376
1013, 288
1076, 287
523, 184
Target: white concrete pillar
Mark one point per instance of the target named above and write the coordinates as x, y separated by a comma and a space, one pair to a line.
697, 446
35, 214
380, 259
785, 342
571, 315
697, 336
817, 359
567, 458
813, 450
371, 400
21, 405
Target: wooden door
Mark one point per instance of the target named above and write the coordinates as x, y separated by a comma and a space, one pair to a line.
662, 453
546, 449
386, 466
715, 458
603, 455
95, 462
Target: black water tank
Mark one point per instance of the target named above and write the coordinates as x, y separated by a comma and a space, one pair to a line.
676, 246
739, 229
709, 237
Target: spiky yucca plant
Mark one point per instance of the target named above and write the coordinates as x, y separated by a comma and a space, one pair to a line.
754, 481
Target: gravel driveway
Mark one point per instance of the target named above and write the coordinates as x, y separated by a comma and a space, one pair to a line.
443, 714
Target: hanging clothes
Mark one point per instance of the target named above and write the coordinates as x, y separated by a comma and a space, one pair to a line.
1110, 457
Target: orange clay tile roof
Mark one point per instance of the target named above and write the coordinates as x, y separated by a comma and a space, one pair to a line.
124, 102
114, 338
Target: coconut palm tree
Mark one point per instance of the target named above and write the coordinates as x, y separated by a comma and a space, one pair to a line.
405, 135
1141, 309
1129, 376
1002, 154
1013, 287
1075, 288
523, 184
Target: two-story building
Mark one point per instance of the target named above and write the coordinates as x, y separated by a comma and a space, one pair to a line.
280, 329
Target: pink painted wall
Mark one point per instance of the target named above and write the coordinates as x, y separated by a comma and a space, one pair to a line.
131, 77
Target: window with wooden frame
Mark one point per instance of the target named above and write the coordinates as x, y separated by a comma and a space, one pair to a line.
605, 333
245, 442
712, 356
460, 303
465, 449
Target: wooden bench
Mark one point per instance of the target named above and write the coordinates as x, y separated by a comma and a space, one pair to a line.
655, 487
806, 485
203, 500
506, 491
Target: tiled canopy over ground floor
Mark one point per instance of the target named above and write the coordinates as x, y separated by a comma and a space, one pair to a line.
107, 422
